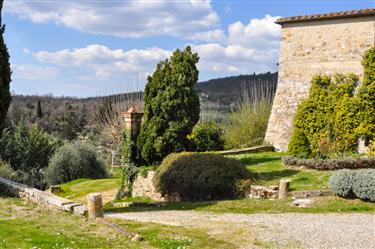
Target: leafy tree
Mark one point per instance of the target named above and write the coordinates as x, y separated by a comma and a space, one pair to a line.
171, 106
28, 152
39, 112
66, 123
5, 74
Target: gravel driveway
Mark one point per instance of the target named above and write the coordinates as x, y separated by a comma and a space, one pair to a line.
291, 230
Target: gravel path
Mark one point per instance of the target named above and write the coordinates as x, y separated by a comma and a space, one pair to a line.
352, 231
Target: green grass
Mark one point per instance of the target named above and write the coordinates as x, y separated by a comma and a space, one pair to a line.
252, 206
270, 170
26, 226
77, 190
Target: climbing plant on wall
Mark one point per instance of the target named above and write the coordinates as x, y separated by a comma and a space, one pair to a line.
366, 97
335, 114
129, 168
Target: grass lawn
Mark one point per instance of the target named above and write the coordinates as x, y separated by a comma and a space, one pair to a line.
77, 190
270, 170
27, 226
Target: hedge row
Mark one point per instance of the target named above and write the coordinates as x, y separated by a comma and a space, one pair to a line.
351, 183
331, 164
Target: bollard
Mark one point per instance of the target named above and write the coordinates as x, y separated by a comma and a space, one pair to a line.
94, 205
283, 188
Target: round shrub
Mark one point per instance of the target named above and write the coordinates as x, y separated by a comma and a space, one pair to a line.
207, 137
342, 183
194, 176
73, 161
364, 184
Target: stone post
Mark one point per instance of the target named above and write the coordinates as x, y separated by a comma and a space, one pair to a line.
94, 205
283, 189
133, 121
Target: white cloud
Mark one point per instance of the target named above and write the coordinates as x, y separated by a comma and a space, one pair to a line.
216, 35
26, 51
30, 72
131, 18
260, 33
104, 61
253, 47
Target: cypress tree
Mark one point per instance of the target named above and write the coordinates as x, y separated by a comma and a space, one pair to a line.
171, 107
39, 112
5, 74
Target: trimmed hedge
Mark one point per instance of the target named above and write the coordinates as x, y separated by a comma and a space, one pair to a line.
193, 176
342, 183
351, 183
331, 164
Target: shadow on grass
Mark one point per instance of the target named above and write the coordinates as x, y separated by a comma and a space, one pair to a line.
159, 206
250, 161
272, 175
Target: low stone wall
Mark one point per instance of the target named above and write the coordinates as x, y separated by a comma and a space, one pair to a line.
266, 148
42, 198
263, 192
143, 187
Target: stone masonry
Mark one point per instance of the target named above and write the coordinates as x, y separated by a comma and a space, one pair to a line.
315, 44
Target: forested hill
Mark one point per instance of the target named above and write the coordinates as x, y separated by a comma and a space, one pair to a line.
51, 112
229, 89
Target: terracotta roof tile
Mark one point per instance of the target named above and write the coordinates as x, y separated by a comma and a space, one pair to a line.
334, 15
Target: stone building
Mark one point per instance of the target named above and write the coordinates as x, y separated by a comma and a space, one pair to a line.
315, 44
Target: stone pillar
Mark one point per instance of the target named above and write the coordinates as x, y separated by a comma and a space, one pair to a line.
133, 121
283, 188
94, 205
363, 146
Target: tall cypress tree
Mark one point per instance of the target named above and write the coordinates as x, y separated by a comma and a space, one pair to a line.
171, 107
5, 74
39, 111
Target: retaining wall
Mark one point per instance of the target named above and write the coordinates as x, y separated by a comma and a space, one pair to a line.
42, 198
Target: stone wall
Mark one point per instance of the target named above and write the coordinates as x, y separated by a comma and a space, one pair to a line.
42, 198
143, 187
309, 48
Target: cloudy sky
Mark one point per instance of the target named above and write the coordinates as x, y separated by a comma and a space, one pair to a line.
97, 47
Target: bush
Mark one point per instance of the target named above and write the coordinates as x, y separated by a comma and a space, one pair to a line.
342, 183
207, 137
299, 145
331, 164
73, 161
195, 176
7, 172
364, 185
247, 124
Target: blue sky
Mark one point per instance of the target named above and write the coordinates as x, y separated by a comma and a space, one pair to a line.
98, 47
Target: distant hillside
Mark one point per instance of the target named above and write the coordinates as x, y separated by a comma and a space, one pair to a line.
220, 93
229, 90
